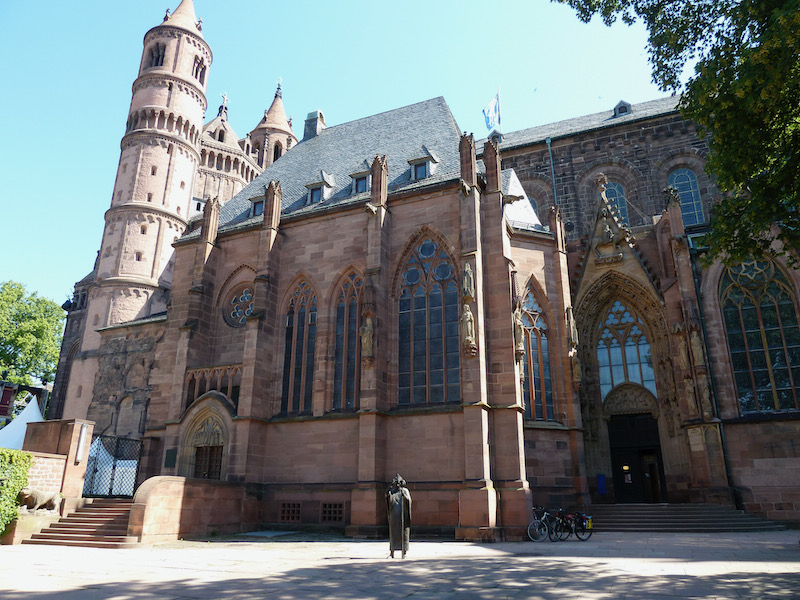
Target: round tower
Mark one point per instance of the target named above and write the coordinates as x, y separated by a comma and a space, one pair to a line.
273, 136
160, 152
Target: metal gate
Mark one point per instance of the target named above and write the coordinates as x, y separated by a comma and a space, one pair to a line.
112, 468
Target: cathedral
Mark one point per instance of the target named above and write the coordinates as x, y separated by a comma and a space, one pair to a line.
516, 321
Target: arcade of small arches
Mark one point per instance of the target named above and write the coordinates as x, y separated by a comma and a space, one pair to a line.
225, 163
152, 119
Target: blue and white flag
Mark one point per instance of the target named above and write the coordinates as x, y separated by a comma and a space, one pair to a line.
492, 113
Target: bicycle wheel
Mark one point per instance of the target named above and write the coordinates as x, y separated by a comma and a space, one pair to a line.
537, 530
555, 530
583, 528
566, 529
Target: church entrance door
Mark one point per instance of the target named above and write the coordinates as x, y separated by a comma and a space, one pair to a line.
636, 459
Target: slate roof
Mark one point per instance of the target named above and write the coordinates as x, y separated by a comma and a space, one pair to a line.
601, 120
408, 133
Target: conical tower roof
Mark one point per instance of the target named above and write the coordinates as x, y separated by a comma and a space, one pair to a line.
275, 116
185, 18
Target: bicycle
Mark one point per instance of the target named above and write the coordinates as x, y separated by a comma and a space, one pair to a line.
538, 529
566, 524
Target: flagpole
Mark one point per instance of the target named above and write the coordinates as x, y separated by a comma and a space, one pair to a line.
499, 113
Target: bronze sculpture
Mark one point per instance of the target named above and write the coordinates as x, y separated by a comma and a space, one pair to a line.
398, 509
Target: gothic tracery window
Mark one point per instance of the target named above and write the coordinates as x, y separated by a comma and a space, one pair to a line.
238, 307
428, 328
615, 194
623, 351
536, 385
300, 342
685, 181
347, 350
760, 314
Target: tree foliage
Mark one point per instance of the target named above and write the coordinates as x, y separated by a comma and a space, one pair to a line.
14, 465
31, 328
744, 95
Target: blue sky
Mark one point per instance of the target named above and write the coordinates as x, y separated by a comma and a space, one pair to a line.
67, 70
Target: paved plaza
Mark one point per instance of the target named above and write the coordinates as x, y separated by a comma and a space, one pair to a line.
615, 566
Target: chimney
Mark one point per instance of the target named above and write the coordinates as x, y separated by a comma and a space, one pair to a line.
315, 122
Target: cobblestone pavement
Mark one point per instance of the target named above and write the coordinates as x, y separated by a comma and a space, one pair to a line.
615, 566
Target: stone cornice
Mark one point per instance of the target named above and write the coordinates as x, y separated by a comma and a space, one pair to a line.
146, 208
155, 77
154, 134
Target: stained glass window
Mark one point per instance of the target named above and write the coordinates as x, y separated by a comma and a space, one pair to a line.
537, 389
623, 352
428, 328
239, 307
298, 358
760, 316
685, 181
615, 194
347, 348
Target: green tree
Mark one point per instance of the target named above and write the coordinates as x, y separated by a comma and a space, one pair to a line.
744, 95
31, 328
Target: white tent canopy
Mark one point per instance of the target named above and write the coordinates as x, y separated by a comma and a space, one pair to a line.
13, 435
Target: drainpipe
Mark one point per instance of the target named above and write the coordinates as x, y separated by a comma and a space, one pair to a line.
693, 252
552, 171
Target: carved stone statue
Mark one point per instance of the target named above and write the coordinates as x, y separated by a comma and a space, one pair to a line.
688, 385
468, 284
683, 354
705, 399
468, 331
367, 333
519, 334
697, 350
34, 499
576, 365
398, 511
573, 329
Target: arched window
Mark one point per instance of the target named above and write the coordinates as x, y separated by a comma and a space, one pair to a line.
238, 307
428, 329
221, 135
623, 352
761, 321
537, 389
685, 181
347, 350
615, 194
298, 358
276, 152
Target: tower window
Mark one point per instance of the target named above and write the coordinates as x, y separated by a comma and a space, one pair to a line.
150, 197
155, 56
183, 185
199, 69
153, 170
144, 229
221, 135
138, 257
277, 152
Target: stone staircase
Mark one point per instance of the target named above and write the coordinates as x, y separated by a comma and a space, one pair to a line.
676, 518
101, 524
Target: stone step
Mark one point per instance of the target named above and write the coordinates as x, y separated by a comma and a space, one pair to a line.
676, 518
101, 524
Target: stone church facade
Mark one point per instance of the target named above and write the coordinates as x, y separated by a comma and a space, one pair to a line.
523, 320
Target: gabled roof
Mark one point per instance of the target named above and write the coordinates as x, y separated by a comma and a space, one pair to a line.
402, 134
601, 120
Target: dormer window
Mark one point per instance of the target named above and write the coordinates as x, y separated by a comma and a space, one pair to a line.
258, 208
221, 135
321, 189
423, 166
622, 108
360, 185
